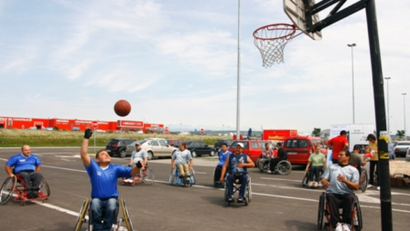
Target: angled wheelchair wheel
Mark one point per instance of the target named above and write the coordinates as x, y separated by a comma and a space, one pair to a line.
126, 215
44, 189
249, 189
7, 189
321, 210
284, 167
192, 177
148, 176
172, 176
357, 220
81, 215
305, 179
363, 181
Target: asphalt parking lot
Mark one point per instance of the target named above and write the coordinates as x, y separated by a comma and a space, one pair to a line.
278, 203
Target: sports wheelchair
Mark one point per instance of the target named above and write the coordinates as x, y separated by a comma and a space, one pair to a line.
15, 186
324, 211
236, 186
146, 176
176, 179
83, 219
284, 167
305, 180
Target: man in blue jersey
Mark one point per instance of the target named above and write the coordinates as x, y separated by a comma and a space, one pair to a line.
103, 176
236, 164
28, 167
222, 155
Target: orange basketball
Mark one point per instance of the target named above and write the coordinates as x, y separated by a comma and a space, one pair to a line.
122, 107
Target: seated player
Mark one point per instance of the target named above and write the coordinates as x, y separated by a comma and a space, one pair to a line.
139, 157
266, 156
236, 164
182, 159
356, 159
222, 155
340, 180
282, 155
316, 164
28, 167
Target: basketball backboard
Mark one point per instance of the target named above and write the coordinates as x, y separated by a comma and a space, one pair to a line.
295, 9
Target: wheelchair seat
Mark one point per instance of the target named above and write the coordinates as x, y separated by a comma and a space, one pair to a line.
176, 179
236, 187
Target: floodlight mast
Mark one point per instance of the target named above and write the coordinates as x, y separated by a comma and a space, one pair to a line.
378, 90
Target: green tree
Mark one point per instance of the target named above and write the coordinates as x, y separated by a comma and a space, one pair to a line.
316, 132
401, 133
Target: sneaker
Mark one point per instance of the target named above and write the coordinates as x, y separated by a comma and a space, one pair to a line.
316, 184
369, 186
30, 195
310, 184
378, 188
346, 227
240, 199
35, 194
230, 198
339, 227
269, 171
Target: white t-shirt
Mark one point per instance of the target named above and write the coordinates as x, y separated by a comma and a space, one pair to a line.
138, 155
182, 157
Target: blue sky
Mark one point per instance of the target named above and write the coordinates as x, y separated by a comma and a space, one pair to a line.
175, 61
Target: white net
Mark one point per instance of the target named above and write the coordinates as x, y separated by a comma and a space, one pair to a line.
271, 41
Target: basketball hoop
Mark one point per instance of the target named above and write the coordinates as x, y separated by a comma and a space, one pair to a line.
271, 41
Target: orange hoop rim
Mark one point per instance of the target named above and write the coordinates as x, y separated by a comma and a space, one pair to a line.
276, 26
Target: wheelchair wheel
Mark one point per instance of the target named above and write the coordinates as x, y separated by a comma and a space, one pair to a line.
148, 176
305, 180
192, 178
44, 189
81, 215
357, 220
249, 190
284, 167
125, 213
321, 210
172, 176
7, 189
363, 181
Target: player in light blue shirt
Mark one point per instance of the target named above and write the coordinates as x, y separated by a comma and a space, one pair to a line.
28, 167
340, 180
103, 177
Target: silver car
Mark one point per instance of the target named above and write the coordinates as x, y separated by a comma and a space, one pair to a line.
155, 147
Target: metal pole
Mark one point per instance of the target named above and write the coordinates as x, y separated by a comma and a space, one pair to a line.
238, 85
404, 113
380, 111
351, 46
388, 108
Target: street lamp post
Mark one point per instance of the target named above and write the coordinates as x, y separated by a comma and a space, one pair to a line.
388, 109
351, 46
404, 112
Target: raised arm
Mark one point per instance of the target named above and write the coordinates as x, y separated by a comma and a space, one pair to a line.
84, 148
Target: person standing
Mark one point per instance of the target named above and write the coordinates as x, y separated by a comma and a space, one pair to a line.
316, 165
28, 166
374, 160
103, 177
222, 155
338, 144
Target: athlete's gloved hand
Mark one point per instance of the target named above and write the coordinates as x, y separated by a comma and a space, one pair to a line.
88, 133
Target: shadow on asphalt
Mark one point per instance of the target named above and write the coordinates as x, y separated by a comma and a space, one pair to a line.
297, 225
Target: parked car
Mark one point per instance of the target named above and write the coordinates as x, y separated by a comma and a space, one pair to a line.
118, 146
401, 148
299, 148
174, 143
199, 148
218, 143
155, 147
408, 155
252, 148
